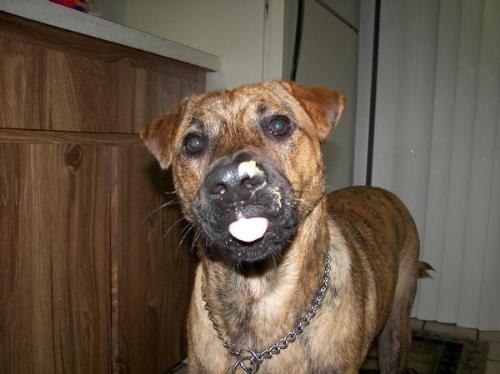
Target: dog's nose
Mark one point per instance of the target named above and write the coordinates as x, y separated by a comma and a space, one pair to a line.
235, 179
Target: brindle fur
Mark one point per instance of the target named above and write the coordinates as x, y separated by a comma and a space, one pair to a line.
368, 232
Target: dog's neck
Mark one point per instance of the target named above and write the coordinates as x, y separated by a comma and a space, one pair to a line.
249, 299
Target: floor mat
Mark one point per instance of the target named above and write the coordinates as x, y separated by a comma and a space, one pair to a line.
438, 354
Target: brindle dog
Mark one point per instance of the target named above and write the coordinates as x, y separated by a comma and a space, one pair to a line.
249, 173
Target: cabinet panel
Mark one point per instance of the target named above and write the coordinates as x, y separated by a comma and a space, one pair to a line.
79, 92
51, 79
153, 272
21, 81
88, 282
54, 258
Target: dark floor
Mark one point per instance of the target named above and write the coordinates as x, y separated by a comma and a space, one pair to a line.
493, 364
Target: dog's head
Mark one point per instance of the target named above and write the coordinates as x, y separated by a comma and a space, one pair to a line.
247, 164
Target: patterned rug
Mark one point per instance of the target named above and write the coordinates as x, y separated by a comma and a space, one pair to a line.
437, 354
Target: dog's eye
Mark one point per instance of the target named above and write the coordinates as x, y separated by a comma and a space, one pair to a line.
194, 144
279, 126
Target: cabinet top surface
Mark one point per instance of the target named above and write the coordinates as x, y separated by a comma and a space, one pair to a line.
58, 16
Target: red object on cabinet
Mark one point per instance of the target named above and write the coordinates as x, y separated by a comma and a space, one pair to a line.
66, 3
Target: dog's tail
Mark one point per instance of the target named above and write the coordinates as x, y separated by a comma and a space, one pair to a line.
423, 269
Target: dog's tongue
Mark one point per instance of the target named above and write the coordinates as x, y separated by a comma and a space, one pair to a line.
249, 229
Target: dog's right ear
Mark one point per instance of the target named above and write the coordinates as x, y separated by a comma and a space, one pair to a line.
159, 135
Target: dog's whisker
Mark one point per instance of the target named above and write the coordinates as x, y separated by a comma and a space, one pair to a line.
274, 263
172, 226
191, 226
236, 266
195, 239
188, 226
165, 205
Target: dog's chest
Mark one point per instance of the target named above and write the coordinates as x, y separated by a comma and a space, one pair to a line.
312, 351
269, 318
269, 305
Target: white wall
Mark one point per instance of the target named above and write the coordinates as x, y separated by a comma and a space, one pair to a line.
235, 30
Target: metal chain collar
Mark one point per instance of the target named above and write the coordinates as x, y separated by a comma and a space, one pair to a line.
248, 360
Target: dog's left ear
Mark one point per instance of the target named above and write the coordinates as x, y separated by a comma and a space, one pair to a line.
323, 106
159, 135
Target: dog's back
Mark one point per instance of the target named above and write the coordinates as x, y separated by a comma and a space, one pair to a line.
383, 240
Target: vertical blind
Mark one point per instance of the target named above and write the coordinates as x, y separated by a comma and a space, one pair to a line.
437, 146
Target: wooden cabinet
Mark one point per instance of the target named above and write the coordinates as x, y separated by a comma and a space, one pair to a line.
89, 283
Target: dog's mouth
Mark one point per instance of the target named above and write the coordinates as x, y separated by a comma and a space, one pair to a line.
249, 239
248, 230
251, 230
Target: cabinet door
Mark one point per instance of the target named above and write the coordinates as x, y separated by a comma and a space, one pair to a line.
93, 276
89, 282
54, 258
152, 271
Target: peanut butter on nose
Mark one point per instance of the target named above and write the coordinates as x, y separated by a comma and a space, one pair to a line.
249, 168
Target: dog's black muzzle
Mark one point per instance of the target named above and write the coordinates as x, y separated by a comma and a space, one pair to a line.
245, 185
229, 184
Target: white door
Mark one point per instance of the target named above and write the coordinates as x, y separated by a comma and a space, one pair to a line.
328, 58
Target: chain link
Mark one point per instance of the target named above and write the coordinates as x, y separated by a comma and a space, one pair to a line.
248, 360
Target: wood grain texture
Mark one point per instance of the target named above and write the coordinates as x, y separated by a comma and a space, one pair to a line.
87, 284
54, 251
51, 79
153, 270
66, 137
53, 38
